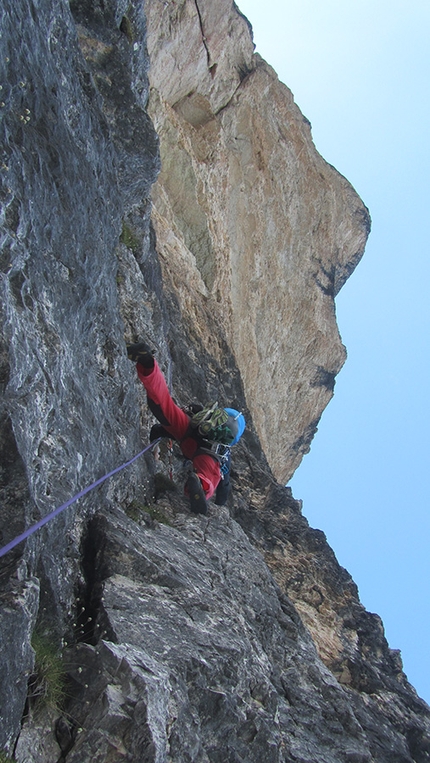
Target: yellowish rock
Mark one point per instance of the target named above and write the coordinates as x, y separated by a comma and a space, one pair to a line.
264, 228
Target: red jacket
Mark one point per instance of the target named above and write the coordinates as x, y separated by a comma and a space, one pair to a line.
206, 467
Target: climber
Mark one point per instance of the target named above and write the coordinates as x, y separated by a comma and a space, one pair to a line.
205, 435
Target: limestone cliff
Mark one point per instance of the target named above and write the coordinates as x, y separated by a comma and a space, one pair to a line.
234, 636
248, 214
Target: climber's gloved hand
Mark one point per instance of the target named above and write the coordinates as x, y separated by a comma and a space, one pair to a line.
157, 431
140, 352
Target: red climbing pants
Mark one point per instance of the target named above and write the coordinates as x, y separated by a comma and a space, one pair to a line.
176, 422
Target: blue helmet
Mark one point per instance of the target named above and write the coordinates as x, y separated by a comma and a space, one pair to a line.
236, 423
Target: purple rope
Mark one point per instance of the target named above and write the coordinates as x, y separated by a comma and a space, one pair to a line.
61, 508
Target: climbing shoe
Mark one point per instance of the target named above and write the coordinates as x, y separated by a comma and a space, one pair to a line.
196, 494
140, 352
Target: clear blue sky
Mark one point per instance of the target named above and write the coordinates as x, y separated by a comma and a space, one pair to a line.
360, 72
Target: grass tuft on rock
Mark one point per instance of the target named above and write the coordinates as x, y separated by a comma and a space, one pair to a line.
4, 757
46, 686
129, 238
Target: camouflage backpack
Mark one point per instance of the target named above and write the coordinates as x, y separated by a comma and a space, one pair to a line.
211, 423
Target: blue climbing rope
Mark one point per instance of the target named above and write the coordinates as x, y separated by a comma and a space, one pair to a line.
52, 514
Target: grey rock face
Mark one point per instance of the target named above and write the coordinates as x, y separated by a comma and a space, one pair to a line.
220, 646
232, 637
19, 605
66, 169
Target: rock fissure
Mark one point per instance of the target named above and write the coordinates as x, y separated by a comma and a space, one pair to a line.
204, 40
89, 625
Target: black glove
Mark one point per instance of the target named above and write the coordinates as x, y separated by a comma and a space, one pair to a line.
157, 431
140, 352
